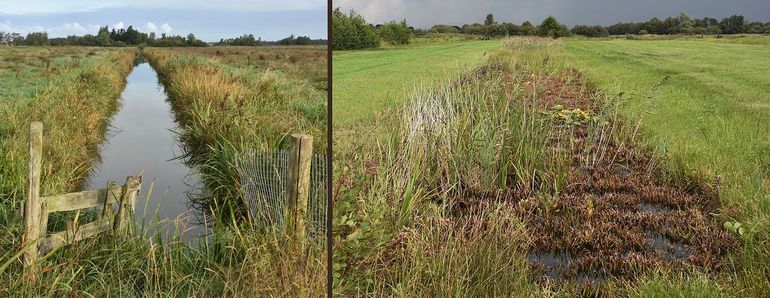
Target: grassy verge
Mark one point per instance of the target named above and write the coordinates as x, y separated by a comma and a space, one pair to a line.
479, 181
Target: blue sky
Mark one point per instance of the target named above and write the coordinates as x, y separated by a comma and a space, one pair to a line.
208, 20
424, 13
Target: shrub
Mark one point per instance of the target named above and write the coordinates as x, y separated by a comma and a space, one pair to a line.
351, 32
643, 32
444, 29
552, 28
590, 31
395, 32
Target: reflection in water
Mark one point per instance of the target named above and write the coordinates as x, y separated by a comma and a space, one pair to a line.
141, 139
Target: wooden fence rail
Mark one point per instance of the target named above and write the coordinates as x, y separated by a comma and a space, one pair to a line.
37, 209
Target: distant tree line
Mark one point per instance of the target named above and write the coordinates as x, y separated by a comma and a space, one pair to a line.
104, 38
684, 24
491, 28
130, 36
681, 24
249, 40
351, 31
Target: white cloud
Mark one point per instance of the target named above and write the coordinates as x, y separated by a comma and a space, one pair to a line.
58, 6
119, 25
151, 27
165, 28
70, 28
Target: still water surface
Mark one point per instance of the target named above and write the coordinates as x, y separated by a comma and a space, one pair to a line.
141, 138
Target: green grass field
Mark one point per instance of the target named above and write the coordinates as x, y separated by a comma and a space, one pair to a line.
369, 81
708, 115
712, 114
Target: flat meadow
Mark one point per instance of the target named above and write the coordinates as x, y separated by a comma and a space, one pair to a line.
709, 107
569, 166
370, 81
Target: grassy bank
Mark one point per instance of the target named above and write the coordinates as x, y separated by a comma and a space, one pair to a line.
225, 109
301, 63
74, 92
483, 178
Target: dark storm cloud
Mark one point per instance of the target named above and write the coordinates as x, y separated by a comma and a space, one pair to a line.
424, 13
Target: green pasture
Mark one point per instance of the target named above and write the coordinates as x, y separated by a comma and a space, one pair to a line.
369, 81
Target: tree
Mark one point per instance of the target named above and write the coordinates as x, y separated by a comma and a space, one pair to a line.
8, 38
733, 24
474, 29
351, 31
131, 36
103, 37
590, 31
395, 33
512, 29
684, 23
287, 41
528, 29
490, 20
444, 29
552, 28
302, 40
652, 26
36, 39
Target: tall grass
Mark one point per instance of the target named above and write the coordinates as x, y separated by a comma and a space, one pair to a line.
224, 110
231, 261
474, 141
75, 108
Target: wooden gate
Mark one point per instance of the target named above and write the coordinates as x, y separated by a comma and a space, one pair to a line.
37, 209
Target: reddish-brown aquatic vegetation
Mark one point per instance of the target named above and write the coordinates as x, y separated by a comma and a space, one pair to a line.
617, 216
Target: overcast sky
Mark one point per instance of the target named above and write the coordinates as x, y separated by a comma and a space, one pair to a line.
424, 13
208, 20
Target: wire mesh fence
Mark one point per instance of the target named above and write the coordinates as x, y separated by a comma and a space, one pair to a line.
264, 177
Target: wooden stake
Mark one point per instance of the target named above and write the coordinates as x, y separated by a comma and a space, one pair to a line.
300, 155
32, 207
130, 190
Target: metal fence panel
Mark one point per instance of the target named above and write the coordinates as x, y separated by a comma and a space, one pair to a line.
263, 178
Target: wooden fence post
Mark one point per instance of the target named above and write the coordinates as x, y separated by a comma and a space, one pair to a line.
32, 207
107, 211
300, 155
125, 209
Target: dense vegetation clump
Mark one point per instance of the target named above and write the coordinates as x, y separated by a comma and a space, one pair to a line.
590, 31
395, 33
350, 32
